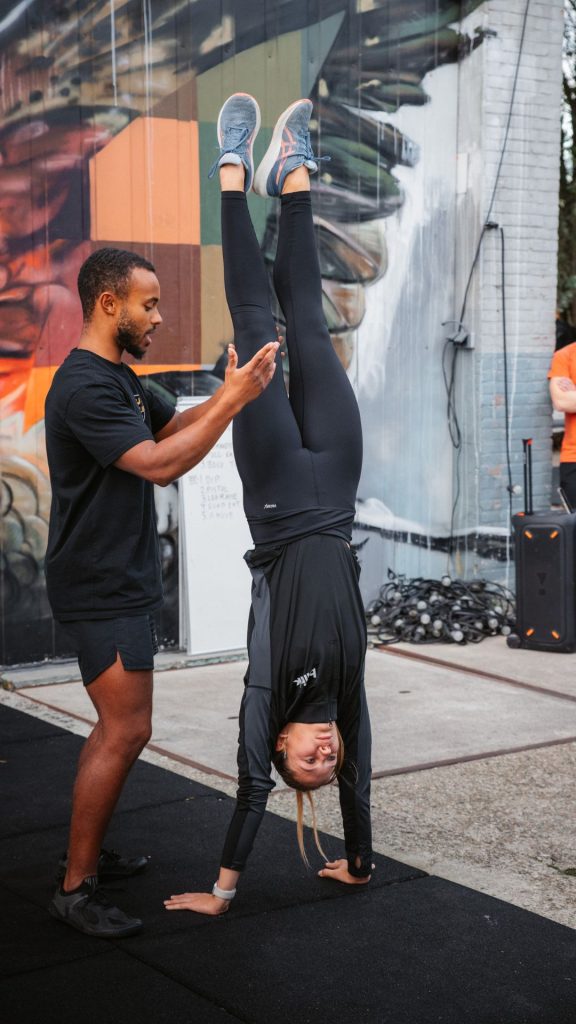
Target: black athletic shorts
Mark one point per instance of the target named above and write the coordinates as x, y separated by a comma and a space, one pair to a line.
97, 642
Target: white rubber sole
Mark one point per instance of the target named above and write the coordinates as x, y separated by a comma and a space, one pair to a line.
250, 147
271, 155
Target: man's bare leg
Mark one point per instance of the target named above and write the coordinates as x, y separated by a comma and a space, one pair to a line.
123, 700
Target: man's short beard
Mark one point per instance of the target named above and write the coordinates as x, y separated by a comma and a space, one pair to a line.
126, 337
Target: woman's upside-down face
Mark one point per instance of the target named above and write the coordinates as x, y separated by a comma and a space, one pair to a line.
311, 751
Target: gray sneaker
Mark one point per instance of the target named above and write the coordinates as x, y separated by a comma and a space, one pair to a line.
290, 148
88, 910
238, 126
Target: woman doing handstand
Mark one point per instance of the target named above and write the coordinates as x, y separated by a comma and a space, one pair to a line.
299, 457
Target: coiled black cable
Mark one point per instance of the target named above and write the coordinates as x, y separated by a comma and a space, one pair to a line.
422, 611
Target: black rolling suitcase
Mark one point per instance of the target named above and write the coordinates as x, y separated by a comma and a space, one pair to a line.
545, 556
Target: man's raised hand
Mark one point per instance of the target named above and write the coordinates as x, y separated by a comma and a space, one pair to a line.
246, 383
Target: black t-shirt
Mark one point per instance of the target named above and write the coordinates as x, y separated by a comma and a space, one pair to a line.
103, 557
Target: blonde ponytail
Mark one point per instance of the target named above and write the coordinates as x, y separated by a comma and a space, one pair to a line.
300, 825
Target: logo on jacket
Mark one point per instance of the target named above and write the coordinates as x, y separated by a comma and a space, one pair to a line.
140, 403
303, 679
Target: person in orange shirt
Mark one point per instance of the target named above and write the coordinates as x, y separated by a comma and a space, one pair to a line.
562, 377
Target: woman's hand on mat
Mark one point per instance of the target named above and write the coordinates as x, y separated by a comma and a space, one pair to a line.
199, 902
246, 383
338, 870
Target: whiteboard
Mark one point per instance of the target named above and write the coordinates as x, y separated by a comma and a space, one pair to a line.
215, 582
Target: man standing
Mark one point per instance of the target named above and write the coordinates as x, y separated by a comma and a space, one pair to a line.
108, 442
562, 378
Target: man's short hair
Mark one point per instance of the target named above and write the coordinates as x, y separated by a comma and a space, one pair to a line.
107, 270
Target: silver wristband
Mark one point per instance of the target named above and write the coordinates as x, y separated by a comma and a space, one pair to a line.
223, 894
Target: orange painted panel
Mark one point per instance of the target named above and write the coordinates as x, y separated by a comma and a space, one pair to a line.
144, 185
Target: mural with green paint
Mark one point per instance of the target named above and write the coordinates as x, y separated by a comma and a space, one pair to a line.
107, 124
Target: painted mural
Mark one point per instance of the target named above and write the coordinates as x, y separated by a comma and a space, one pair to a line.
107, 128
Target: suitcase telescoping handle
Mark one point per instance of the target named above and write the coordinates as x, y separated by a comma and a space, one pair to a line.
528, 504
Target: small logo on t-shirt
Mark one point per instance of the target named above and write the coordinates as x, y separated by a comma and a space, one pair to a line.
269, 506
303, 679
140, 403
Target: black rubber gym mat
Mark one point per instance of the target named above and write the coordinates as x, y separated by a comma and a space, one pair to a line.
32, 942
44, 767
184, 839
421, 952
112, 988
16, 727
409, 949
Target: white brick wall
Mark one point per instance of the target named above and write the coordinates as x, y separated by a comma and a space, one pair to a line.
526, 207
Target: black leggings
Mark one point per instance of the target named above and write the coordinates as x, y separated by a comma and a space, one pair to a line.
568, 482
299, 457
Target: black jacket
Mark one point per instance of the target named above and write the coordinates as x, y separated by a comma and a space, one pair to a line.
306, 645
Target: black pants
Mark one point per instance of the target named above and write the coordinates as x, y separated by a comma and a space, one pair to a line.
568, 482
299, 457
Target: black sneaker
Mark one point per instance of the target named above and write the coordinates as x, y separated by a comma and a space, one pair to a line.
111, 866
88, 910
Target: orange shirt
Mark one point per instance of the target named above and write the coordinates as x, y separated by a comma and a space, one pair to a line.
564, 365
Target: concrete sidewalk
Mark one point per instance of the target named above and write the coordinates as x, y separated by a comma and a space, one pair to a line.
474, 757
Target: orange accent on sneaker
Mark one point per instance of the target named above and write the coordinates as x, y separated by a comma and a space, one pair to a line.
285, 150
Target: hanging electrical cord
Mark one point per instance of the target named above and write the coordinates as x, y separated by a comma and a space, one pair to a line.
422, 611
505, 359
500, 162
451, 412
453, 423
453, 428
